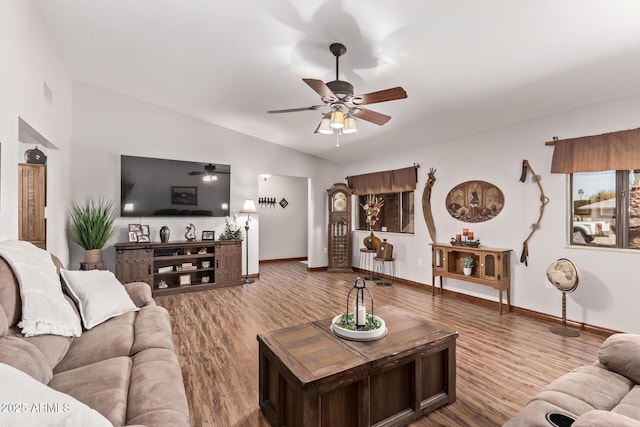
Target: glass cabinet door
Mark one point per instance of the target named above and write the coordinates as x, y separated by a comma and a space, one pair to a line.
490, 267
439, 258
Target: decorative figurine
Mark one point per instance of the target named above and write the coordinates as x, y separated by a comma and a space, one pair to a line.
164, 234
191, 233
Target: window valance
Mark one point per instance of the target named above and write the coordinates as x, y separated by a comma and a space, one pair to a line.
609, 151
393, 181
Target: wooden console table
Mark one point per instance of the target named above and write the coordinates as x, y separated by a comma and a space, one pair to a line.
310, 377
491, 267
162, 265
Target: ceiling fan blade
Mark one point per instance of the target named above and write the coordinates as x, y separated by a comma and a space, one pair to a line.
380, 96
321, 88
293, 110
195, 173
370, 115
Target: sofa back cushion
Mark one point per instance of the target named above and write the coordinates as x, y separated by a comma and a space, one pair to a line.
20, 354
9, 294
4, 325
620, 353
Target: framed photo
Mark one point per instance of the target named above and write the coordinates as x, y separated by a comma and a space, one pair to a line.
136, 228
185, 279
184, 195
133, 237
143, 239
145, 230
208, 235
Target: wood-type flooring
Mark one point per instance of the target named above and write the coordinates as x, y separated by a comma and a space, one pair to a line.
502, 361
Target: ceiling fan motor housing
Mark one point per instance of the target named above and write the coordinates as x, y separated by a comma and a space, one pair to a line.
343, 90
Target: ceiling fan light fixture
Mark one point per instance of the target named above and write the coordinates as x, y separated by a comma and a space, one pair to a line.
209, 178
350, 125
337, 120
325, 126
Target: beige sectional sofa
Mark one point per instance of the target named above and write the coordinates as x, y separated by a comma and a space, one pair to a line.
124, 368
606, 393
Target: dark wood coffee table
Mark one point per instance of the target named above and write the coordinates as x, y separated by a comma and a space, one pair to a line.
310, 377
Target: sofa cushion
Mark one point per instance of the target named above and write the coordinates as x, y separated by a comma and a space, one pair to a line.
100, 296
112, 338
9, 294
102, 386
630, 404
35, 404
598, 418
4, 324
598, 388
152, 329
156, 394
621, 353
140, 293
53, 347
26, 357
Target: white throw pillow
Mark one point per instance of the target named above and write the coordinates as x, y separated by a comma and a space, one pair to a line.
27, 402
100, 296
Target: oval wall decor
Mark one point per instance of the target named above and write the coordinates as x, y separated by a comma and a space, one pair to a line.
474, 201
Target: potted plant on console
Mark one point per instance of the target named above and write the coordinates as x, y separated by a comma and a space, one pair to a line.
467, 264
91, 225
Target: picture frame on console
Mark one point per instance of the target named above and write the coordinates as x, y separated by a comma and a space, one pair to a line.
208, 235
133, 237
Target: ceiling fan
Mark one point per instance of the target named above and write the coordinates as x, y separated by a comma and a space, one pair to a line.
344, 105
208, 173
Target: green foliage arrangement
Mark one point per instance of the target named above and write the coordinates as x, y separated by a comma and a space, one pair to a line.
347, 321
231, 230
92, 224
467, 261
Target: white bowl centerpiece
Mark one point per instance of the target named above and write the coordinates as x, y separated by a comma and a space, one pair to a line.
344, 326
359, 325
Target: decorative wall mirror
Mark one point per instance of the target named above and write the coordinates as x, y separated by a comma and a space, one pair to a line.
474, 201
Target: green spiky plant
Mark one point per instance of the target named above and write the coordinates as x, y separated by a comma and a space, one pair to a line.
91, 225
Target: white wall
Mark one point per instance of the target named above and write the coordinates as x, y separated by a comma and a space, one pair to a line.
608, 293
107, 125
29, 59
283, 231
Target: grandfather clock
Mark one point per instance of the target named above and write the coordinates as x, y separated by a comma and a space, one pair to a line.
339, 228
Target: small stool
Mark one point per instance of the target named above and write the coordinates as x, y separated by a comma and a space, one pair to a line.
385, 268
366, 262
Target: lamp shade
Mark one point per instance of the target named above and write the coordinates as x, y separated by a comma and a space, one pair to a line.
337, 119
324, 127
350, 125
249, 207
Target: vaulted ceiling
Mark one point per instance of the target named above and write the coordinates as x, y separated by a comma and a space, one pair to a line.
466, 65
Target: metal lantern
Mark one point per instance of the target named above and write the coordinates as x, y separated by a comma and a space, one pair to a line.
359, 312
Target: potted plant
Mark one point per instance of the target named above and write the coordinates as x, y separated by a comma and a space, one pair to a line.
467, 264
91, 225
231, 230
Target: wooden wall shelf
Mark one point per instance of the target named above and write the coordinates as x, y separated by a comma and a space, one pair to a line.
491, 267
217, 264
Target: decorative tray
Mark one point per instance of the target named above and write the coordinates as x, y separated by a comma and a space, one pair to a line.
468, 243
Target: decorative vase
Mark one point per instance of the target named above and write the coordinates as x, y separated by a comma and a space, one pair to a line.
93, 256
164, 234
385, 250
372, 242
466, 271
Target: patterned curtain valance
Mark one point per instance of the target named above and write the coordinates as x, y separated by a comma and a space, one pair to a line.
609, 151
394, 181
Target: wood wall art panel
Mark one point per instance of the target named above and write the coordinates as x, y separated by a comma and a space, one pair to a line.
474, 201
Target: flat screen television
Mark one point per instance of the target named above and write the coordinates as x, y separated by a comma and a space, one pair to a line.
159, 187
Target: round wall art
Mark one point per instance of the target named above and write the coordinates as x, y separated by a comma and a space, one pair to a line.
474, 201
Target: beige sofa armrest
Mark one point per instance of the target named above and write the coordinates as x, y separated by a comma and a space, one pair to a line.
599, 418
140, 293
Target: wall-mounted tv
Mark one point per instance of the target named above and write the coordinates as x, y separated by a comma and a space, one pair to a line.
159, 187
